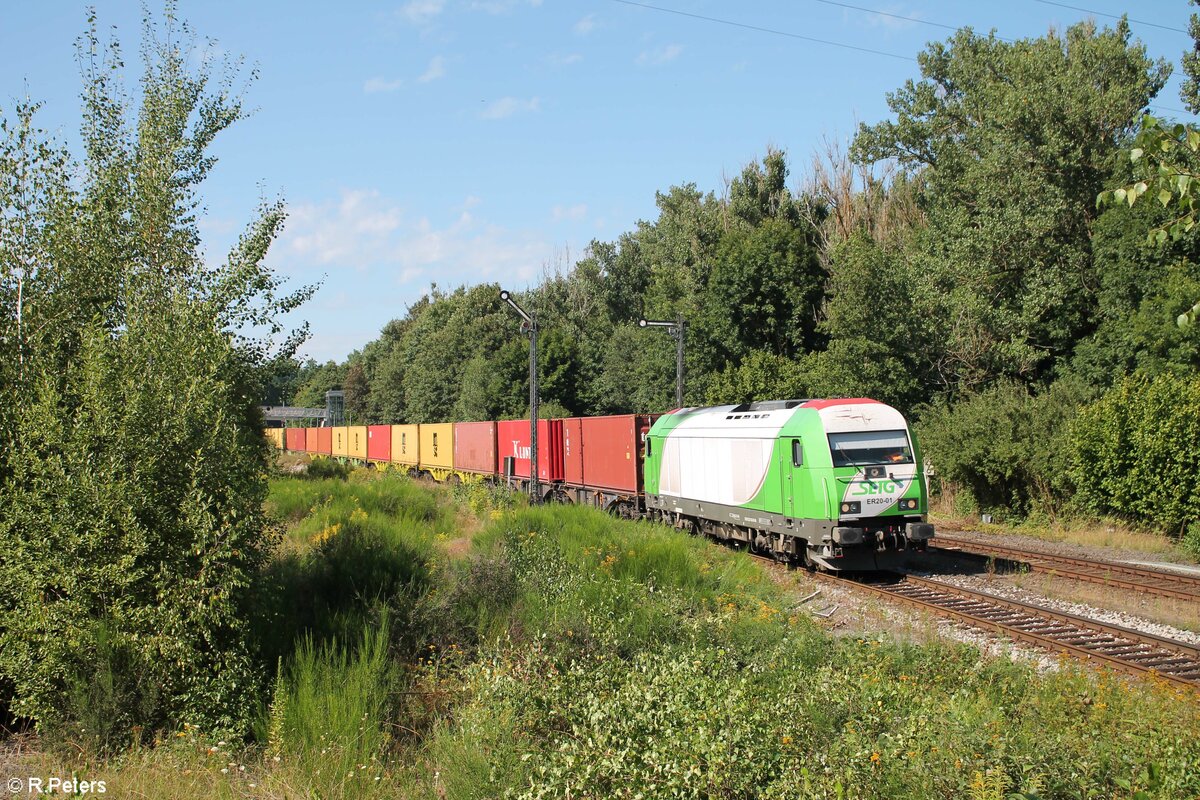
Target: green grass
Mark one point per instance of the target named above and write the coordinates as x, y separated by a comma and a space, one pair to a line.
326, 721
571, 654
640, 662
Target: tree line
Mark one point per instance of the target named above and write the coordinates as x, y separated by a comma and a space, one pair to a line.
952, 261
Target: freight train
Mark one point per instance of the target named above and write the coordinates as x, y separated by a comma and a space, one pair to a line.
834, 484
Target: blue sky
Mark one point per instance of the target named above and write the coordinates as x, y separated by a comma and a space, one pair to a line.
462, 141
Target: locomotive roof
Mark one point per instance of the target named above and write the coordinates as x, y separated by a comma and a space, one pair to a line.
766, 419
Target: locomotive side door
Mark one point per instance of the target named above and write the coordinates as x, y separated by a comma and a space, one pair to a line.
791, 458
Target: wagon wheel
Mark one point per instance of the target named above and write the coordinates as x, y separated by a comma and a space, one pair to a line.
809, 563
453, 479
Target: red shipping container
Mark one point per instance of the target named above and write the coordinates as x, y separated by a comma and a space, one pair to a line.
379, 442
295, 438
573, 451
613, 450
475, 447
513, 442
324, 438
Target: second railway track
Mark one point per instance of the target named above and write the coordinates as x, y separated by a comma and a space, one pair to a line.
1109, 573
1089, 640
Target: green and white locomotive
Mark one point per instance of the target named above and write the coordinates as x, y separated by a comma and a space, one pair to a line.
830, 483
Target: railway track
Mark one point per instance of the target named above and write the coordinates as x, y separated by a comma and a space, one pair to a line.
1089, 640
1096, 642
1126, 576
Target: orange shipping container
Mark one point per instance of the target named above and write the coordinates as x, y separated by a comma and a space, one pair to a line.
341, 441
437, 446
406, 444
357, 447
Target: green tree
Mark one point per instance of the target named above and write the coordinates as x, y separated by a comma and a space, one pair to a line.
132, 464
1167, 157
761, 376
879, 325
1013, 142
357, 393
317, 380
1136, 452
764, 292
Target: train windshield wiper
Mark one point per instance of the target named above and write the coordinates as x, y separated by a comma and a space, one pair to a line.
846, 457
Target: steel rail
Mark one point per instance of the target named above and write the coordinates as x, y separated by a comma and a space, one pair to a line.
1108, 573
1096, 642
1099, 643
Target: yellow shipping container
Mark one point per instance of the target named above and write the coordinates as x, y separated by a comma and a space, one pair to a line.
275, 437
358, 441
406, 444
341, 441
437, 446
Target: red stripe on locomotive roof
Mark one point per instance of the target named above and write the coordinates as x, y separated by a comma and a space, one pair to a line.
847, 401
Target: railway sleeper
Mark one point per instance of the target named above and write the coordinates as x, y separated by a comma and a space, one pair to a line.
1167, 661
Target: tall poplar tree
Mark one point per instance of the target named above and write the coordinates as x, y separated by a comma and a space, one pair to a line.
132, 461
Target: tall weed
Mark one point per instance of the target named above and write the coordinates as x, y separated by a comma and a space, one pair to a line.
328, 715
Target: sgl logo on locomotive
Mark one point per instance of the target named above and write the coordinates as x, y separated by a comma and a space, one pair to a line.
879, 494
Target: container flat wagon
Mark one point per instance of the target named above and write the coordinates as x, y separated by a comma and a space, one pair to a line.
437, 450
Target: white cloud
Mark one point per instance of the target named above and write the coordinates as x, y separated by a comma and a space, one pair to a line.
420, 12
380, 84
575, 212
351, 232
586, 25
659, 55
435, 70
507, 106
564, 59
501, 6
365, 231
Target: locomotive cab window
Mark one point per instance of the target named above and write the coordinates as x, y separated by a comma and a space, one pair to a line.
860, 448
797, 453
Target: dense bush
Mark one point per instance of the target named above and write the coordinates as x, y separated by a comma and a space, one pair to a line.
1136, 452
132, 462
1005, 446
641, 662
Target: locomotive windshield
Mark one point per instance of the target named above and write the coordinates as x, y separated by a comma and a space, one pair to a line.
869, 447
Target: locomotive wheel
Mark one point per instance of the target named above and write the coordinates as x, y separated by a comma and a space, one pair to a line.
809, 564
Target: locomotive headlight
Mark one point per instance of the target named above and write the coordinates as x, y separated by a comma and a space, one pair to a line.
851, 508
908, 505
